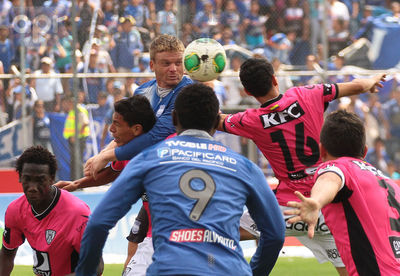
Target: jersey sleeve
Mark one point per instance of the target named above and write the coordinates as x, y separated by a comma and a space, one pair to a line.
140, 227
80, 225
239, 124
118, 165
264, 209
125, 191
13, 236
332, 168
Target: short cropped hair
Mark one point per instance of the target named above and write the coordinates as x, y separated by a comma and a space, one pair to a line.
165, 43
256, 75
343, 134
197, 107
37, 155
136, 110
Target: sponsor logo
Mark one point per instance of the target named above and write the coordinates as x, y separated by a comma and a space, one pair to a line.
50, 234
365, 167
201, 235
160, 110
292, 112
163, 152
6, 234
332, 253
209, 157
192, 145
395, 243
303, 227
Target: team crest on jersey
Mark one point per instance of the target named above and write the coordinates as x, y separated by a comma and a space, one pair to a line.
50, 234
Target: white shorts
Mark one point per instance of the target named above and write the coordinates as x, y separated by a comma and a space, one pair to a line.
322, 245
139, 263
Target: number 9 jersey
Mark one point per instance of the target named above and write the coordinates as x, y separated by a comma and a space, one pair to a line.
197, 189
286, 130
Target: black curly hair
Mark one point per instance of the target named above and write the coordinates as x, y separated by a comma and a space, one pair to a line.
37, 155
136, 110
197, 107
256, 75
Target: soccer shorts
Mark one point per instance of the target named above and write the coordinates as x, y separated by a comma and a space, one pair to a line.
322, 245
139, 263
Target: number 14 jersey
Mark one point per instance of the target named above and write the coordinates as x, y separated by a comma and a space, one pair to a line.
286, 130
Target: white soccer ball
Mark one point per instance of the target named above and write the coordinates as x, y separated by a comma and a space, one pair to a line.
204, 59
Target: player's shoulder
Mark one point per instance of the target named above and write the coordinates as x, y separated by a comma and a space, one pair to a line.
71, 203
18, 205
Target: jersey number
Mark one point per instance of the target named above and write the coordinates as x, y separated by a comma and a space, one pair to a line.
394, 223
308, 160
203, 196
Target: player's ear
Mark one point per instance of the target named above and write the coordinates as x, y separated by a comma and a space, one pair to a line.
274, 81
322, 152
365, 151
137, 129
151, 65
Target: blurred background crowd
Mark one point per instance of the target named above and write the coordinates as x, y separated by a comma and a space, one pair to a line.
113, 36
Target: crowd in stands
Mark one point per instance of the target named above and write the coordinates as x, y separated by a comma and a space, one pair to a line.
287, 32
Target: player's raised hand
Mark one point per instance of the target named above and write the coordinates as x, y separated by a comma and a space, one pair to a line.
377, 82
88, 166
307, 210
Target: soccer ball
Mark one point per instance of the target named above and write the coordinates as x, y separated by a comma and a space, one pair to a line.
204, 59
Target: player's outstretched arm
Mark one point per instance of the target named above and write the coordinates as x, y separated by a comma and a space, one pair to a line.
358, 86
323, 192
7, 261
264, 209
105, 176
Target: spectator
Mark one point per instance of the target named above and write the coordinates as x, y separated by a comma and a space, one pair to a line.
140, 12
284, 82
205, 20
188, 34
128, 45
102, 107
63, 54
234, 88
6, 49
166, 19
5, 13
104, 61
33, 44
41, 126
48, 89
253, 28
338, 37
293, 17
231, 17
227, 37
85, 14
93, 85
377, 156
110, 16
392, 112
69, 133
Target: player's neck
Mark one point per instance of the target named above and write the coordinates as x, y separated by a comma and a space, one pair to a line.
271, 95
46, 204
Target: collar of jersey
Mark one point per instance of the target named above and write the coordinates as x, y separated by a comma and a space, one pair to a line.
197, 133
267, 103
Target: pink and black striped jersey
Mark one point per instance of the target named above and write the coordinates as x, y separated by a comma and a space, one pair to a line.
286, 130
55, 236
364, 218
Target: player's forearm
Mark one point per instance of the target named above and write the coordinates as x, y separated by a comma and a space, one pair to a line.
106, 176
221, 121
358, 86
6, 261
325, 188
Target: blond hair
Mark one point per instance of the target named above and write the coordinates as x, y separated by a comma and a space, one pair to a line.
165, 43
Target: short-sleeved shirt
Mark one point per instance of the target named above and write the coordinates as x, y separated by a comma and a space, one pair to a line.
286, 130
364, 218
55, 236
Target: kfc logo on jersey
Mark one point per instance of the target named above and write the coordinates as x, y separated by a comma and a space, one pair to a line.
292, 112
50, 234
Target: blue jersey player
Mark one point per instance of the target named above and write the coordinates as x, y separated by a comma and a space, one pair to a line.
197, 189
